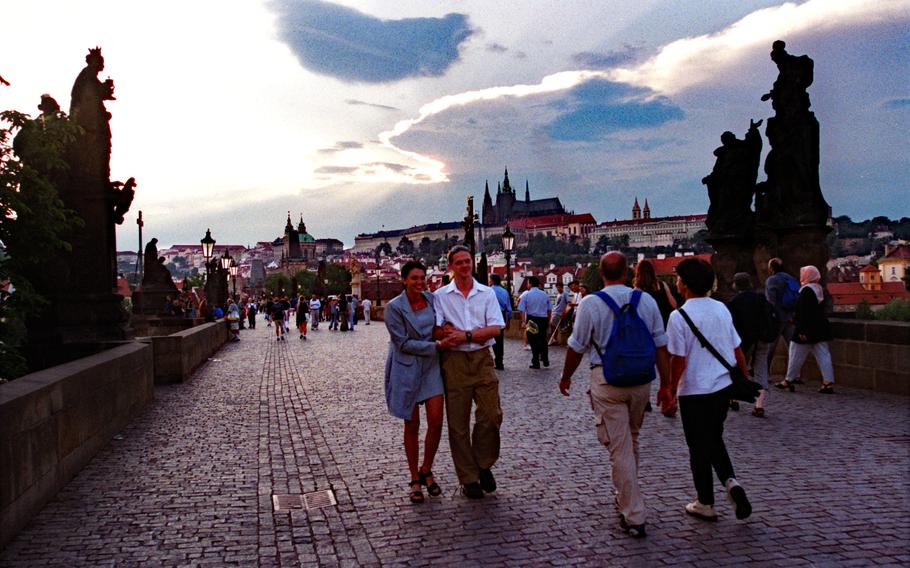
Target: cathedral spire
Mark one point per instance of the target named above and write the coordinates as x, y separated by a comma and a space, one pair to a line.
506, 186
647, 209
636, 210
289, 226
527, 192
498, 188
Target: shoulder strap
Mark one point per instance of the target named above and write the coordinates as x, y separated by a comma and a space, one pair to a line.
636, 297
704, 342
609, 301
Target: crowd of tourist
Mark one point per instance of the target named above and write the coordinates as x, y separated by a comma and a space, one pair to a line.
701, 350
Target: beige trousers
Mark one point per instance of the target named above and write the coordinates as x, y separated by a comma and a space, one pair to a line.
470, 379
618, 415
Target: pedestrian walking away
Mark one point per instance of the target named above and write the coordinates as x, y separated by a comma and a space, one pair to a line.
621, 371
559, 311
412, 375
300, 317
536, 306
468, 318
755, 320
812, 332
782, 291
702, 385
367, 306
505, 306
277, 318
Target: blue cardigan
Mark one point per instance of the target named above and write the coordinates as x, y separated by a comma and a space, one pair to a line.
412, 358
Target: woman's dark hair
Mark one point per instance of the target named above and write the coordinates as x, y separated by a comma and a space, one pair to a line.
697, 275
645, 277
411, 265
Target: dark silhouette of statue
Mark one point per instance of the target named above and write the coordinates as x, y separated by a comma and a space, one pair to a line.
731, 184
792, 196
157, 283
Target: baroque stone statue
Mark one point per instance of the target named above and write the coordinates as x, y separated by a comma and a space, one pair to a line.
731, 184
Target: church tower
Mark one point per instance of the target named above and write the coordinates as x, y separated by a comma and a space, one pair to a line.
291, 240
636, 210
505, 202
488, 214
647, 210
527, 192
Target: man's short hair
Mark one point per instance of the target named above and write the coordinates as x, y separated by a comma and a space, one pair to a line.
697, 275
496, 279
776, 265
533, 281
574, 282
559, 285
613, 265
455, 250
742, 281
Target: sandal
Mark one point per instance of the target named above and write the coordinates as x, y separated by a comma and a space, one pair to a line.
416, 495
758, 412
433, 488
785, 385
827, 388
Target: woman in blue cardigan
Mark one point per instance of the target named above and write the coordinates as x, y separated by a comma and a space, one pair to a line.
412, 375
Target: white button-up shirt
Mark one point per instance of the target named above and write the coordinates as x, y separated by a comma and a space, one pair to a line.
479, 309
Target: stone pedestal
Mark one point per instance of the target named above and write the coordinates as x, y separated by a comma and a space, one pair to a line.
797, 246
732, 254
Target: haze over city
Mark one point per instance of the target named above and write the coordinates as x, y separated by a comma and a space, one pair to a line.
361, 114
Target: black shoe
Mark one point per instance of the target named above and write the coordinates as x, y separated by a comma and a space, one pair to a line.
734, 405
533, 366
500, 367
635, 531
487, 481
546, 363
472, 490
648, 407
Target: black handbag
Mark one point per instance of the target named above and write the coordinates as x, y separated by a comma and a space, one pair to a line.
743, 388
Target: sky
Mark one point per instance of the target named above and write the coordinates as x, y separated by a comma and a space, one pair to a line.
364, 114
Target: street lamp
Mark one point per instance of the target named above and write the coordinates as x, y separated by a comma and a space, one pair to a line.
233, 268
208, 246
508, 241
226, 260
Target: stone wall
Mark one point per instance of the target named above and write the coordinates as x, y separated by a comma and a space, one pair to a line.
176, 356
871, 355
54, 421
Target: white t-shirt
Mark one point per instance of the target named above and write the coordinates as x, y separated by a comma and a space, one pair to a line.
704, 374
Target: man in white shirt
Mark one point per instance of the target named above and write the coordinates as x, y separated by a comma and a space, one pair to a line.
315, 306
367, 306
702, 384
468, 315
619, 411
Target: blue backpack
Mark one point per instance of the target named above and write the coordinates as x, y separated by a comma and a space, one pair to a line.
791, 293
629, 356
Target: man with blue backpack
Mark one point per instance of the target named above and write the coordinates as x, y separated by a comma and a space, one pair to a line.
623, 334
781, 291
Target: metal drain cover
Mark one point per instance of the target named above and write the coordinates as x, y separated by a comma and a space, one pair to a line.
308, 501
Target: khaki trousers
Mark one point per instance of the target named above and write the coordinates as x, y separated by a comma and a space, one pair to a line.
618, 414
470, 379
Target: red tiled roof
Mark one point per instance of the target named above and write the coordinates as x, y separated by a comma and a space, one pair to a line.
852, 293
653, 220
667, 266
900, 251
869, 268
551, 220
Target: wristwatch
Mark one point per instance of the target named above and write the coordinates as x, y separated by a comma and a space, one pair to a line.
469, 337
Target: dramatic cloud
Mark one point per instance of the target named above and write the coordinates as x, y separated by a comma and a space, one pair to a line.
600, 107
355, 102
592, 60
341, 146
695, 60
353, 46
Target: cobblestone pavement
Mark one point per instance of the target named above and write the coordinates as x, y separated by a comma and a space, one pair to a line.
191, 481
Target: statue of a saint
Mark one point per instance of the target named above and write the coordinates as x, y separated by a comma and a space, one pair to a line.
88, 111
731, 184
795, 74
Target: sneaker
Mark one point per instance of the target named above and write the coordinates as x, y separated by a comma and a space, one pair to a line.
704, 512
527, 347
734, 405
737, 496
487, 481
304, 338
472, 490
635, 531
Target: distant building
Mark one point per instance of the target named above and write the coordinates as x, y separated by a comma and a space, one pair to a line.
508, 207
646, 231
566, 226
329, 246
895, 264
368, 242
870, 289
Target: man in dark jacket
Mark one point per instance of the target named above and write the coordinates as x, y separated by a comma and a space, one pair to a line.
775, 289
750, 312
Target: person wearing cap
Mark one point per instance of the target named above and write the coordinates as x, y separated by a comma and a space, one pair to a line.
748, 309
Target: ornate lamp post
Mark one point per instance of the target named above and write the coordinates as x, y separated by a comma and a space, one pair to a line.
208, 246
233, 268
508, 241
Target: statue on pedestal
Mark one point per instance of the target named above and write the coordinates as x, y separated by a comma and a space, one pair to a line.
731, 184
157, 284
